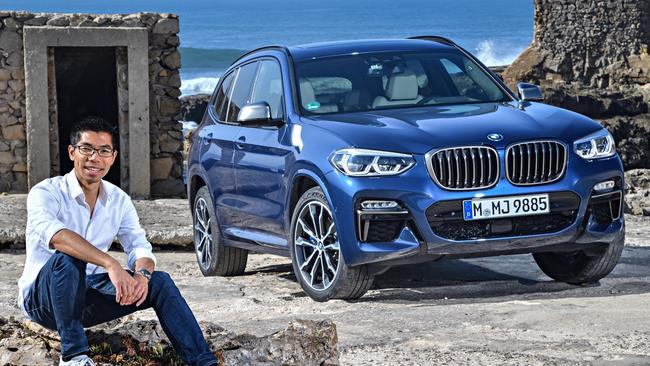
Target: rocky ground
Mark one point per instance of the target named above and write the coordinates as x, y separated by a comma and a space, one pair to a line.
489, 311
133, 342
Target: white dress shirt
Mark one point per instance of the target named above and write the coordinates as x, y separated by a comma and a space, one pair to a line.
59, 203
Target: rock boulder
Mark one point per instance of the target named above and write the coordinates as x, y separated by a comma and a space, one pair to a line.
136, 342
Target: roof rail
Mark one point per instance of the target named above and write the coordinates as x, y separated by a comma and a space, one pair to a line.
279, 48
438, 39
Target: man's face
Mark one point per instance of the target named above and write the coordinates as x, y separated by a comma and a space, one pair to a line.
92, 168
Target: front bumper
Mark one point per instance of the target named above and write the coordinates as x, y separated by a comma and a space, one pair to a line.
416, 192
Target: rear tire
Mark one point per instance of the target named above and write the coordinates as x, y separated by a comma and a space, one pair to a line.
578, 267
316, 255
213, 257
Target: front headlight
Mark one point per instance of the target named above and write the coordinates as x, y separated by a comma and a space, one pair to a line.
599, 144
368, 163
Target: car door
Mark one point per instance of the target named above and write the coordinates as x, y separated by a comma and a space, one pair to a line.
261, 156
217, 152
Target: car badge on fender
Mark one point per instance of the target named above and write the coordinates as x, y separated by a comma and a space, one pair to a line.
495, 137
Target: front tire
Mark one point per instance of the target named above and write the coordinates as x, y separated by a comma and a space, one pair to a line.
316, 253
580, 267
214, 258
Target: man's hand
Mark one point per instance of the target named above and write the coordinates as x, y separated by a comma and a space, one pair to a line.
141, 288
127, 289
125, 284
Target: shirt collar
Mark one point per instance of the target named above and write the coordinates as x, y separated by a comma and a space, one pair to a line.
75, 188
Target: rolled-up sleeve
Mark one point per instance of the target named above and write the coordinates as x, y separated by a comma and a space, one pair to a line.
42, 210
132, 236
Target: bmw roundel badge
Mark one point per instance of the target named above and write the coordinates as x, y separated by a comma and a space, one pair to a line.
495, 137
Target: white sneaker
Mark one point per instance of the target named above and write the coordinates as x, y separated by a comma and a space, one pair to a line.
81, 360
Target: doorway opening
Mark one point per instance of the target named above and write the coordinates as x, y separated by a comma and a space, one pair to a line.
86, 85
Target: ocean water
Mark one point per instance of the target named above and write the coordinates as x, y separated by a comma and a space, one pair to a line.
214, 33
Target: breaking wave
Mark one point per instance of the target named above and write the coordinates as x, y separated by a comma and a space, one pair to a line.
198, 85
201, 68
487, 52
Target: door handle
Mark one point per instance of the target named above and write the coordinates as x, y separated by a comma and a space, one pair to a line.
240, 142
207, 139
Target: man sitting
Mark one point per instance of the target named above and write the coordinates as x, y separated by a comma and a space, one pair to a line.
70, 281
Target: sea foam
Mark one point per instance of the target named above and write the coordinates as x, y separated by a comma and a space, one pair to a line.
198, 85
487, 52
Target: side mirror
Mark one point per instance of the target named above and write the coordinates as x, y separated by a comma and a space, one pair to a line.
256, 114
529, 92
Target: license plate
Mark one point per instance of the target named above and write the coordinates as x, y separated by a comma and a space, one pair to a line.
492, 208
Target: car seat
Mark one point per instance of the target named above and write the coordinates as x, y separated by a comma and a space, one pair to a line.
401, 89
309, 101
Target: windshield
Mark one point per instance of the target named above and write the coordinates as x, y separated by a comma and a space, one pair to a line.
373, 81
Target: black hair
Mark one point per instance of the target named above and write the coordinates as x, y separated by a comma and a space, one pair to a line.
93, 124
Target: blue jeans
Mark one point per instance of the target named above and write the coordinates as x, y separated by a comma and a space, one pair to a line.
65, 299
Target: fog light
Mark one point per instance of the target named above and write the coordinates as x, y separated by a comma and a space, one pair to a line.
604, 186
378, 205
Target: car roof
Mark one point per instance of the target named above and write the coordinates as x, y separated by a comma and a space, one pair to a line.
326, 49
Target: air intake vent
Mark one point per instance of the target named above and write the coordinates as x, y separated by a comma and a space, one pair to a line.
464, 168
536, 162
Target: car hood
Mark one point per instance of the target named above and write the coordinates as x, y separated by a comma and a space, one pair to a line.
420, 129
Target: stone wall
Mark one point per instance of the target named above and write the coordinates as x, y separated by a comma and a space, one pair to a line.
592, 57
164, 84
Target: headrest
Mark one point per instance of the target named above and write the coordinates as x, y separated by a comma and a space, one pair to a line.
307, 94
402, 87
419, 72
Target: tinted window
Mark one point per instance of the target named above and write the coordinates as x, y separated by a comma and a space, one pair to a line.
268, 87
241, 91
221, 101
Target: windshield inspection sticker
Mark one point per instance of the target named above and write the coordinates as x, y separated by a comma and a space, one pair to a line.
312, 106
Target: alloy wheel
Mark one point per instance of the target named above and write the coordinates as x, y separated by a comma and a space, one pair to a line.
316, 245
202, 233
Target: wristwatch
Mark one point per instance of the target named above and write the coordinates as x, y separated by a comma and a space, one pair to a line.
144, 272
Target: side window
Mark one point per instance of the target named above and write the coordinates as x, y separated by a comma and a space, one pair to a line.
241, 90
268, 87
221, 100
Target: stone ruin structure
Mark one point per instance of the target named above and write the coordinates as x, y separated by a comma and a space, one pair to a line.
58, 68
592, 57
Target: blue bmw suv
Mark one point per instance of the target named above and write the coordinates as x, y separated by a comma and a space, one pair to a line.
353, 157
